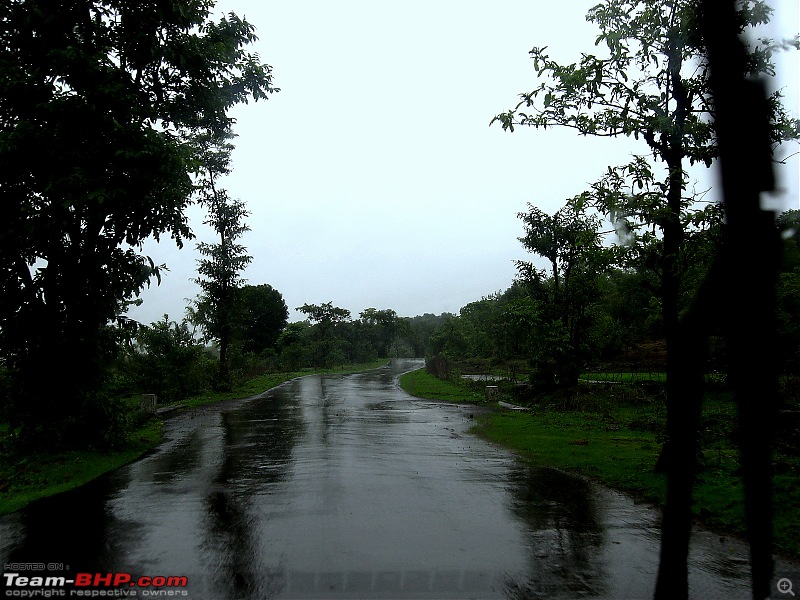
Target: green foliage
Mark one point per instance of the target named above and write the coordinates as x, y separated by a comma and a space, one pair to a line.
421, 330
649, 60
215, 309
326, 315
168, 361
97, 102
293, 344
789, 293
495, 326
381, 329
627, 312
261, 317
648, 79
439, 367
329, 336
564, 298
625, 377
327, 346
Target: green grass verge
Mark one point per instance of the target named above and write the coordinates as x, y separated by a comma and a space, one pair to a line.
36, 476
581, 442
25, 479
423, 385
618, 442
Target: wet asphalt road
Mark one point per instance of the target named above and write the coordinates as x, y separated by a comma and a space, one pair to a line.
346, 487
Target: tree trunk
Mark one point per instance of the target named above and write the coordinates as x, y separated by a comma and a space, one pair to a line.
684, 364
743, 129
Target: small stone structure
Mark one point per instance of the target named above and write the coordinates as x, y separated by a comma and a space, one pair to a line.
492, 393
513, 406
149, 404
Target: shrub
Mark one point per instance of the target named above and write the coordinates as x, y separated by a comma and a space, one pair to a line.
168, 361
439, 367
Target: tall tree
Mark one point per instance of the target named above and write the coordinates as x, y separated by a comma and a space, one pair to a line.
96, 100
382, 328
744, 130
571, 240
262, 316
326, 320
422, 331
220, 271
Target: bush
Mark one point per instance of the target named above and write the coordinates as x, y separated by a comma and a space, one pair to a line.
249, 365
168, 361
439, 367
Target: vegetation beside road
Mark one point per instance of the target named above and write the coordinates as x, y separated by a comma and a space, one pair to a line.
422, 384
25, 478
260, 384
613, 434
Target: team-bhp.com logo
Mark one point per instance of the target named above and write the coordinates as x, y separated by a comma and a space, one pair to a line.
93, 585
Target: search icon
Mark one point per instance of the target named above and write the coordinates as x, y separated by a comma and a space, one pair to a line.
785, 586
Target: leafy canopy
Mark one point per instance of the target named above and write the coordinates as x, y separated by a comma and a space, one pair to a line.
644, 50
98, 101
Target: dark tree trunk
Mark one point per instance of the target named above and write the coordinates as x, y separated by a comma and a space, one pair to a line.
684, 364
743, 127
752, 248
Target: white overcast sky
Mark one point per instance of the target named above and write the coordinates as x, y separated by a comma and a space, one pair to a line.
373, 177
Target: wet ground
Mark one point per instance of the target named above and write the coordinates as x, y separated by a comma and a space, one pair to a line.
346, 487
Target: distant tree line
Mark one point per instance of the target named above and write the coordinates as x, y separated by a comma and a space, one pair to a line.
169, 359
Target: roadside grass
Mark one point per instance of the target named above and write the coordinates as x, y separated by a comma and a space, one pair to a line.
614, 434
24, 479
421, 384
580, 442
28, 478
